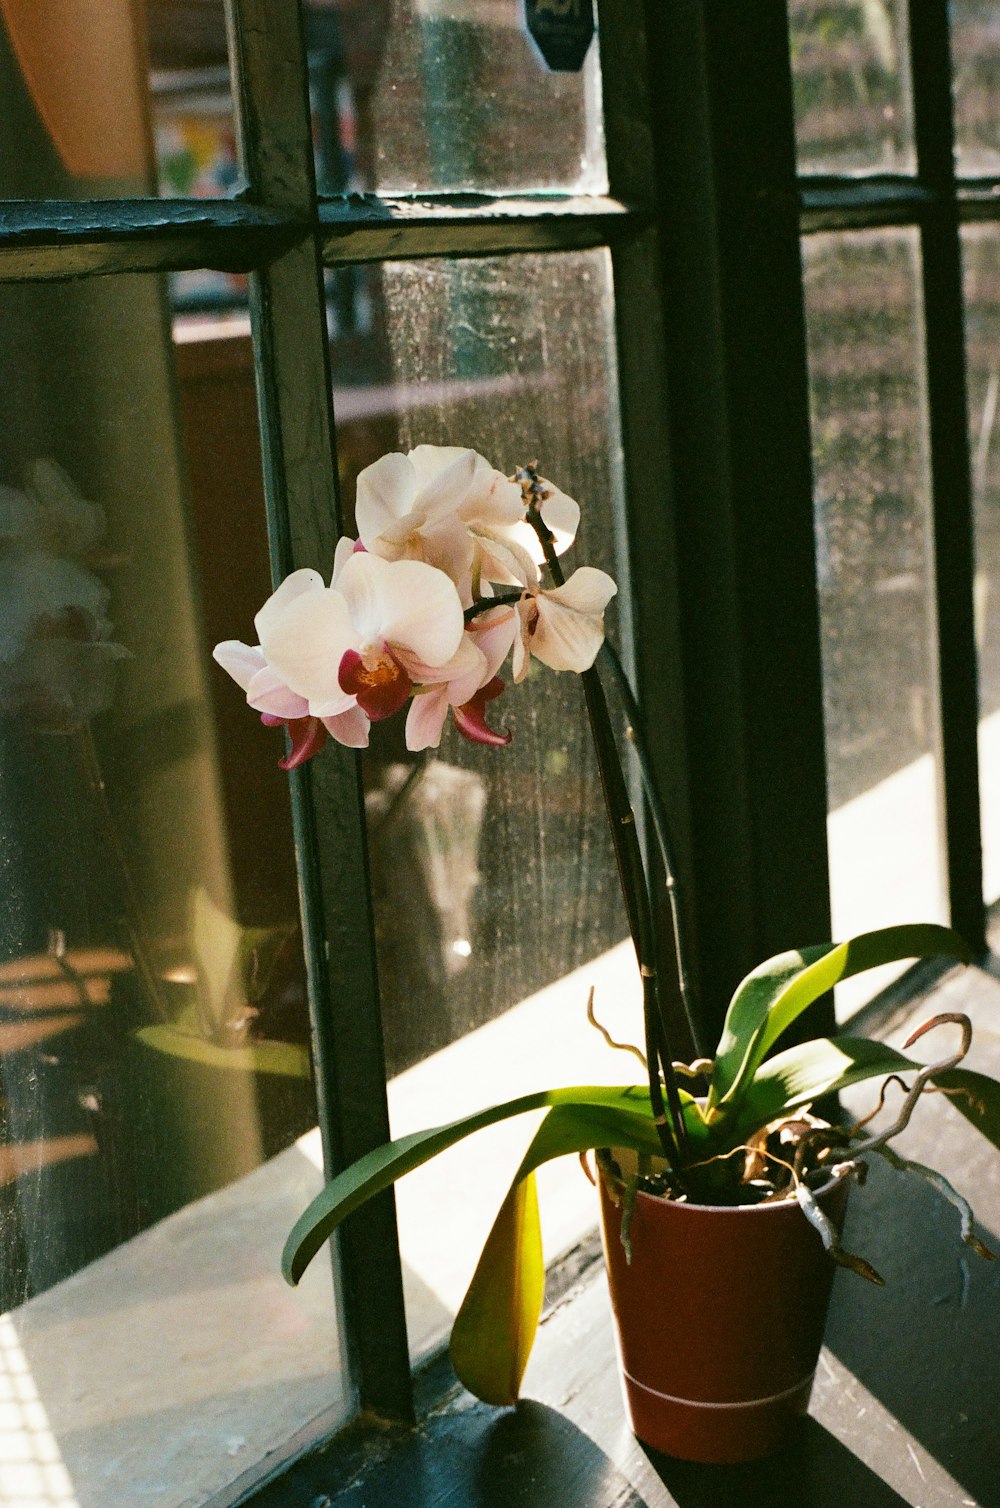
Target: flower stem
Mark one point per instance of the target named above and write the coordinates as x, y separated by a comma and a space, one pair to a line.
631, 873
637, 738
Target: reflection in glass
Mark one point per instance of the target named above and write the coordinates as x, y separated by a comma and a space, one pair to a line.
153, 1031
874, 563
492, 869
446, 94
852, 90
981, 257
105, 99
975, 50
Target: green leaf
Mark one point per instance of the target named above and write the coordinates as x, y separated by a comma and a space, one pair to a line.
828, 1064
382, 1166
285, 1058
495, 1328
778, 991
976, 1096
804, 1073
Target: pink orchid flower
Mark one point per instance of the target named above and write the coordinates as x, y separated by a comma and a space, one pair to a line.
465, 685
277, 705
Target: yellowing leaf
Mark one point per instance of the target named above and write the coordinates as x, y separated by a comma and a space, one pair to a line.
493, 1334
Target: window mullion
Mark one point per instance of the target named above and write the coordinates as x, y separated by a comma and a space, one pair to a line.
653, 622
288, 312
734, 326
950, 466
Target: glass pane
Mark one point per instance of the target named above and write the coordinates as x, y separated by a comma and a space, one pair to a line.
874, 562
852, 89
155, 1097
496, 895
447, 94
107, 99
975, 50
981, 254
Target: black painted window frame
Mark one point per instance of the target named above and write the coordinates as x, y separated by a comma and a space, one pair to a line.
703, 220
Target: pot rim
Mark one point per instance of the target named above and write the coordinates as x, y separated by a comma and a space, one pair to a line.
732, 1209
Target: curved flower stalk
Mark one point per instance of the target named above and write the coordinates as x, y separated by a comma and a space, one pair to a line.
458, 567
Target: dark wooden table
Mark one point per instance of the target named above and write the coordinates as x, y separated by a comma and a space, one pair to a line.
906, 1407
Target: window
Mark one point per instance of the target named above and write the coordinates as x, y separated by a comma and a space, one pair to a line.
604, 268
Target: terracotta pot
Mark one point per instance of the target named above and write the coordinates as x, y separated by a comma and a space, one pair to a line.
719, 1321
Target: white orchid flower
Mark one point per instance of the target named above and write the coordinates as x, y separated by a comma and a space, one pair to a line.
448, 507
563, 626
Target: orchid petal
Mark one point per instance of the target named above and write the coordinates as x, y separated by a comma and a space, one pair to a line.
406, 604
293, 586
560, 515
493, 634
452, 549
380, 692
346, 547
465, 672
333, 706
385, 494
470, 719
350, 728
308, 736
588, 590
527, 618
495, 501
444, 487
306, 643
508, 562
425, 719
570, 626
241, 661
267, 692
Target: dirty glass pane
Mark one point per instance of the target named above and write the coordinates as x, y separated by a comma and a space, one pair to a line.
852, 88
110, 99
874, 561
981, 255
154, 1076
496, 897
447, 94
975, 50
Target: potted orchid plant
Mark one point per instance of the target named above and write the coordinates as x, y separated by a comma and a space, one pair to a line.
709, 1170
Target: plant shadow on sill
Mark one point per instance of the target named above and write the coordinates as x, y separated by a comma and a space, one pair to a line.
818, 1469
925, 1346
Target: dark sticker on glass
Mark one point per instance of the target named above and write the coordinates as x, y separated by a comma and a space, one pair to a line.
562, 30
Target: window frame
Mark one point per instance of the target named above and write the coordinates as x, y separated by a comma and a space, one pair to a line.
703, 220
